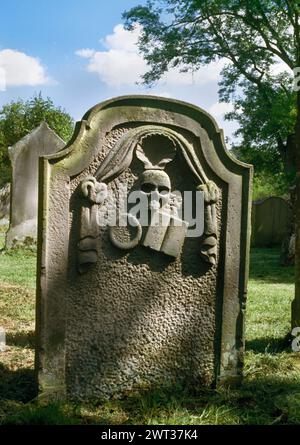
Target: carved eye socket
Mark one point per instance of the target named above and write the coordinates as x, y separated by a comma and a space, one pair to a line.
163, 190
147, 187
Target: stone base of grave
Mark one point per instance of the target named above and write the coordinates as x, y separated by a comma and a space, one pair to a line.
49, 392
23, 235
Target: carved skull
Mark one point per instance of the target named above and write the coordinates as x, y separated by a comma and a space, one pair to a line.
156, 185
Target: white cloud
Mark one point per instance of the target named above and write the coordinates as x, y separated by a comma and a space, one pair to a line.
2, 80
220, 108
121, 39
86, 52
117, 67
20, 69
121, 64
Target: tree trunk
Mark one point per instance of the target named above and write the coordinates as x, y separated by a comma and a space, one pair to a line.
290, 160
288, 155
287, 254
296, 302
287, 152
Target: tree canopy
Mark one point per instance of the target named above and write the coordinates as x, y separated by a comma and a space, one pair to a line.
189, 33
255, 38
20, 117
265, 137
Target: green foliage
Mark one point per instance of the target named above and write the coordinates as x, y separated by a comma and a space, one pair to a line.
267, 184
20, 117
265, 128
263, 114
252, 36
190, 33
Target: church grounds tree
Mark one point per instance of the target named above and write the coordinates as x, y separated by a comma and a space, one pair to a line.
265, 137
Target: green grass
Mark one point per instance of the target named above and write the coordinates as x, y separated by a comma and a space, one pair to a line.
271, 290
3, 230
270, 393
17, 267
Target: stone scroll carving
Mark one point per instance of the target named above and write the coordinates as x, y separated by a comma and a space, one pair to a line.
208, 248
95, 194
154, 180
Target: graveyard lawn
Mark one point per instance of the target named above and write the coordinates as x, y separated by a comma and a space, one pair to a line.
270, 393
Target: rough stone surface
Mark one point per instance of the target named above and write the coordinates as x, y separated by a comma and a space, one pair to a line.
138, 316
4, 204
24, 157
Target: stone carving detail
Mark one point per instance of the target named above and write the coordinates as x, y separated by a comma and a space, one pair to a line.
166, 232
96, 192
117, 234
156, 185
208, 248
88, 240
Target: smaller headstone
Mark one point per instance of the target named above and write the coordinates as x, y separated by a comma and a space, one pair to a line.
270, 222
24, 157
4, 204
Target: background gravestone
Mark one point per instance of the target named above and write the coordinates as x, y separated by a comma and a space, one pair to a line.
270, 222
4, 204
163, 309
24, 157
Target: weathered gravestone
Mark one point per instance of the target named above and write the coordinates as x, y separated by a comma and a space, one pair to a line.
124, 306
270, 221
24, 156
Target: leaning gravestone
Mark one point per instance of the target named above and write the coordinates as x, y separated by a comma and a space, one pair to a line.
24, 156
125, 303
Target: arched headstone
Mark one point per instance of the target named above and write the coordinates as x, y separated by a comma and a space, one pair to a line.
124, 306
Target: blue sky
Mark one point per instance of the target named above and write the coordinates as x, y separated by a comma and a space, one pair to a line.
78, 53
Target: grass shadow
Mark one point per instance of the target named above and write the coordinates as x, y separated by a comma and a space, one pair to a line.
270, 345
264, 266
21, 339
256, 402
260, 401
17, 385
33, 414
